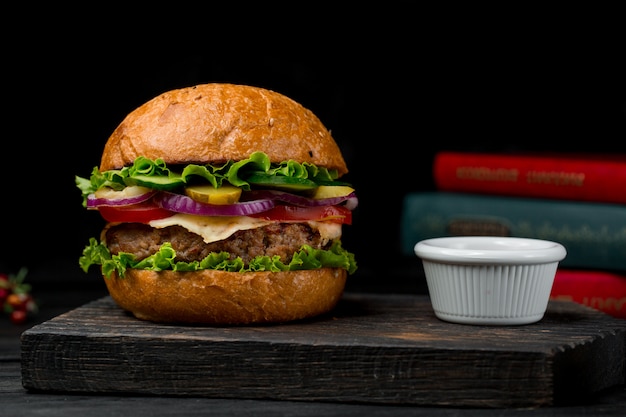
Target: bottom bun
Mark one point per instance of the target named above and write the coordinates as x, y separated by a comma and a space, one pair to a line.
219, 297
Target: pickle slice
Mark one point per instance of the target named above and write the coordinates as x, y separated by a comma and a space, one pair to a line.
331, 191
206, 193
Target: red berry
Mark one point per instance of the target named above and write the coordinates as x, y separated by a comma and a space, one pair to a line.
18, 316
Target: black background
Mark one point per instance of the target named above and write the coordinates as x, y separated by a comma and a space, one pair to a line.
395, 83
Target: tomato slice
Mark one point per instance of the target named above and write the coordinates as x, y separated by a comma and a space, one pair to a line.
335, 214
135, 213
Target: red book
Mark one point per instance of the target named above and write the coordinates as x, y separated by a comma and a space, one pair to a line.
587, 177
602, 290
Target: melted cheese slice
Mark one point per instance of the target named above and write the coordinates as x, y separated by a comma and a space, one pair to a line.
217, 228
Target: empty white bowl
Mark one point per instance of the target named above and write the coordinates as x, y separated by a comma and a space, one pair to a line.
489, 280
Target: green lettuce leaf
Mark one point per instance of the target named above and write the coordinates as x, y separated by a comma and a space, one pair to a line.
234, 173
165, 259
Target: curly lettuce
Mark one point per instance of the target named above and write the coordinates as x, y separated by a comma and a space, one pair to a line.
306, 258
156, 173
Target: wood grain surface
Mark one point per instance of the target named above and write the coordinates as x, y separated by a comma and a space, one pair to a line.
385, 349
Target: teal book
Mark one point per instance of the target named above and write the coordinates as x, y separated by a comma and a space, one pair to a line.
594, 234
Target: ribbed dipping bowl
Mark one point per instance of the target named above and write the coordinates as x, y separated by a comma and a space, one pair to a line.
487, 280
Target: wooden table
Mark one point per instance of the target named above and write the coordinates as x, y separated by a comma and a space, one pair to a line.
16, 400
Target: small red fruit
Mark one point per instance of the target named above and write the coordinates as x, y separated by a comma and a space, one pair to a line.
4, 293
18, 316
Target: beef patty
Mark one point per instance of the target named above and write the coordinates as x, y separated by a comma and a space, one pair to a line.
282, 239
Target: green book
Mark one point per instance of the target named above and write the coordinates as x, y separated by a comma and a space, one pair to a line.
594, 234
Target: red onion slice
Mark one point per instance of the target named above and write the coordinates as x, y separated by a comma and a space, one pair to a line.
184, 204
118, 198
350, 201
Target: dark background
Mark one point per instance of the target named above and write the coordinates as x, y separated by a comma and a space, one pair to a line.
395, 83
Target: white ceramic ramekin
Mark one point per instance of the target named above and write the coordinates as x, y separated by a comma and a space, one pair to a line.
489, 280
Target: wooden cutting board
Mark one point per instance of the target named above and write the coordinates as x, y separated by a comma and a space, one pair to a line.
387, 349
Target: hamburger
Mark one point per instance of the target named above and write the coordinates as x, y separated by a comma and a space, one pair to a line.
223, 205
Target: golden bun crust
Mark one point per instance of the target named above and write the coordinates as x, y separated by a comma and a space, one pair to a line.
227, 298
212, 123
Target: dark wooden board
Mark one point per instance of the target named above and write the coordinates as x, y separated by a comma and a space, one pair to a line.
386, 349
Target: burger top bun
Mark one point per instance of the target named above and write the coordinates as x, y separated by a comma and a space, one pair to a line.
214, 123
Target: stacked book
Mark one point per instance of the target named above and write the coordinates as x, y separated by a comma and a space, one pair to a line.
576, 200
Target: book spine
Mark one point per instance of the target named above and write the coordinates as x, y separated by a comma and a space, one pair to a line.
594, 234
601, 290
595, 180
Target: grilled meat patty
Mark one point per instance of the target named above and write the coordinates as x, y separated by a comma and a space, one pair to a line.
282, 239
